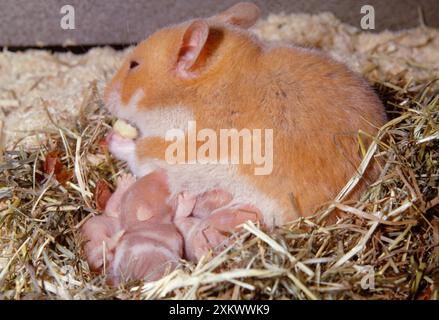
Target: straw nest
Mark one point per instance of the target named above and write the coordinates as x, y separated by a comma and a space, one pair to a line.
386, 247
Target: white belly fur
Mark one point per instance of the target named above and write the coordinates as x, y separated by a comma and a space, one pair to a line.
199, 178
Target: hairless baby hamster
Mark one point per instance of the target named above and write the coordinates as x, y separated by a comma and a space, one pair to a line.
135, 237
143, 233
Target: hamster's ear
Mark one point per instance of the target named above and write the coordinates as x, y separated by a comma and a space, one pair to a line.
243, 14
194, 39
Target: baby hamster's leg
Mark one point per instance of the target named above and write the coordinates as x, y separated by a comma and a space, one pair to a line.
210, 223
185, 205
112, 208
211, 200
103, 232
214, 231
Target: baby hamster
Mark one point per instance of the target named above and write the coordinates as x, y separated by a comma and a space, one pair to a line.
135, 237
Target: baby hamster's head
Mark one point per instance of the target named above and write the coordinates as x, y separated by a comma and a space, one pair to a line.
164, 70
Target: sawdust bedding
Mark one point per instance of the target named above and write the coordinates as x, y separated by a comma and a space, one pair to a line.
50, 100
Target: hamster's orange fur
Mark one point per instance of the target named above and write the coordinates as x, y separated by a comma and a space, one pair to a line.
315, 106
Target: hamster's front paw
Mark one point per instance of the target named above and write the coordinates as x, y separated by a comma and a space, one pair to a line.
122, 148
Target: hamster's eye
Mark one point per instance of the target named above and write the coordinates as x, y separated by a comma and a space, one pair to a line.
133, 64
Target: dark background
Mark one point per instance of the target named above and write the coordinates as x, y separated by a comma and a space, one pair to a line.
37, 22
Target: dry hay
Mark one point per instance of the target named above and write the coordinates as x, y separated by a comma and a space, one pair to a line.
394, 228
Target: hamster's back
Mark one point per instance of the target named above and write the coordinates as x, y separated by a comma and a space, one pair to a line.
317, 107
